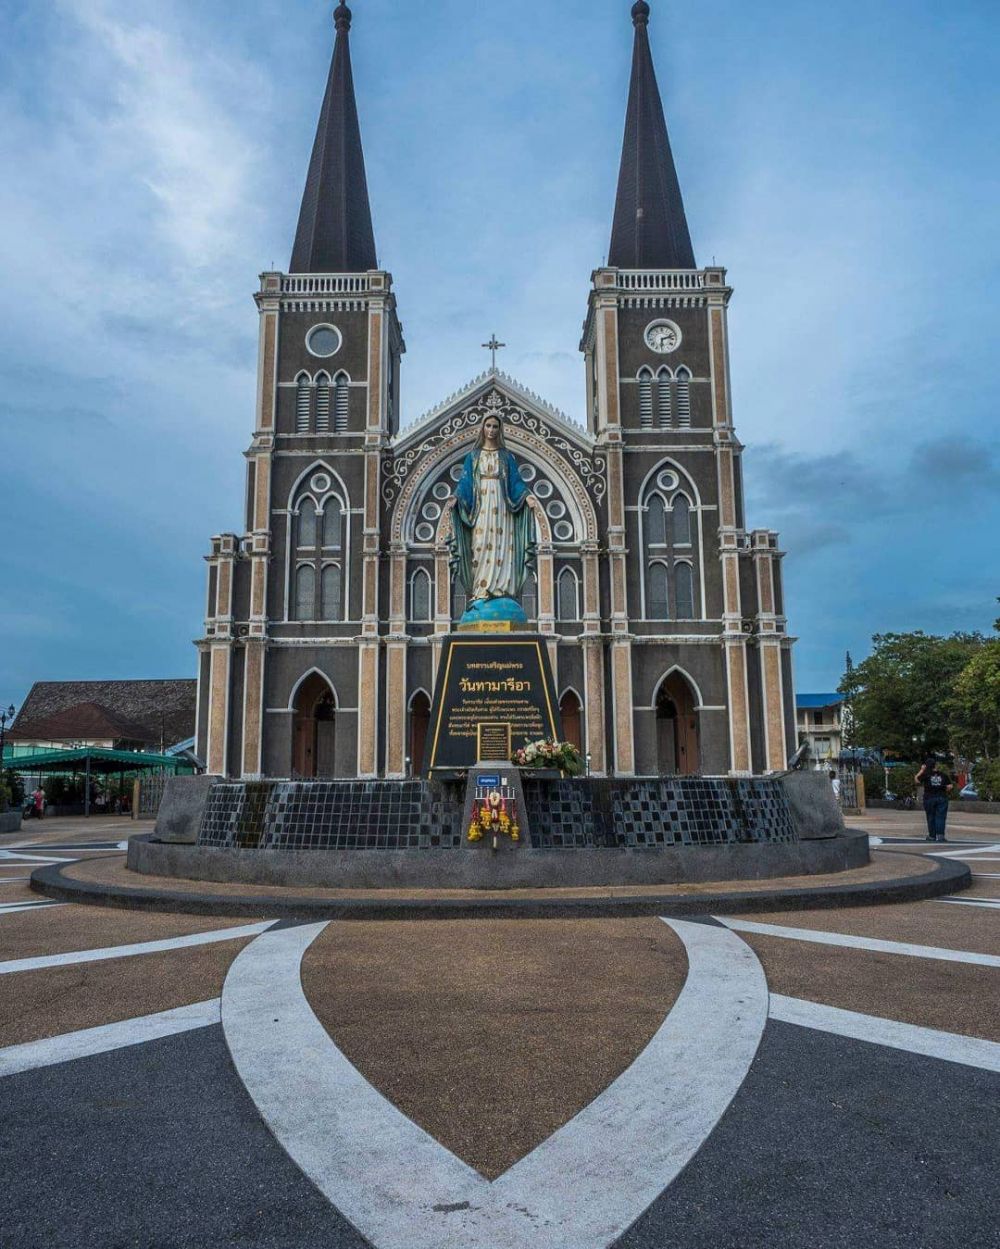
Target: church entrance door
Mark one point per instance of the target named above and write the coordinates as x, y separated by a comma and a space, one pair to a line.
678, 750
572, 719
420, 722
315, 733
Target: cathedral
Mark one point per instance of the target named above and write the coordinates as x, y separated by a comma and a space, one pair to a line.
663, 616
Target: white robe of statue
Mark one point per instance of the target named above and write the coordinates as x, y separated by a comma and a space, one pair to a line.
492, 534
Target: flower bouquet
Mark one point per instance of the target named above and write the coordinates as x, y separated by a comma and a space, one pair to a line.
550, 754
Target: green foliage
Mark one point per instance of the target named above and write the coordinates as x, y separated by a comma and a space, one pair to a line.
15, 788
5, 799
986, 776
975, 704
900, 697
902, 783
874, 782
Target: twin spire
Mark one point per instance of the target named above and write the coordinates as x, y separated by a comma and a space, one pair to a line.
335, 232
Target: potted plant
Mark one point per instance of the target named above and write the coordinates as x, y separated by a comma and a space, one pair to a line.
550, 756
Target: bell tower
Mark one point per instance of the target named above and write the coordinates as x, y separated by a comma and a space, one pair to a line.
305, 576
682, 591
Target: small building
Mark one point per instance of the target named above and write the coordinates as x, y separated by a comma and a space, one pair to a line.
820, 722
112, 715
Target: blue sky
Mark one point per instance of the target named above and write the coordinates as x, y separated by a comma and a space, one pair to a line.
842, 160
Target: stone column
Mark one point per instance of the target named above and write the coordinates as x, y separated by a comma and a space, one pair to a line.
224, 549
770, 640
730, 534
396, 665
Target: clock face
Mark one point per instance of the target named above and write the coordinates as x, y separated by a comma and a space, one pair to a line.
663, 337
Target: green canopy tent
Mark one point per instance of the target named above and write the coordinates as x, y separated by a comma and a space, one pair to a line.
91, 760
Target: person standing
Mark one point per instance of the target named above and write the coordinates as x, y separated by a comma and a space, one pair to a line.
835, 784
38, 799
937, 787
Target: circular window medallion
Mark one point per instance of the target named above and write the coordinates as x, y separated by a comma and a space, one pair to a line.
663, 337
441, 491
667, 481
425, 533
556, 509
324, 340
544, 490
320, 483
528, 471
456, 472
431, 511
563, 531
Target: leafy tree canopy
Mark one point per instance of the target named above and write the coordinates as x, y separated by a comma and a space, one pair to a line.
901, 696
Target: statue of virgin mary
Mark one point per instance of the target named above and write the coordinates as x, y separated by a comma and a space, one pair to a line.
493, 529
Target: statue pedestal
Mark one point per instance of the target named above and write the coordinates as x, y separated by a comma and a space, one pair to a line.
494, 694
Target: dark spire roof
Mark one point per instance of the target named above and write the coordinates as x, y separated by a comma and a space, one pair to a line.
335, 223
650, 229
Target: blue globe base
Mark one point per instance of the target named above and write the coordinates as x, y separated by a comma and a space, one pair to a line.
494, 611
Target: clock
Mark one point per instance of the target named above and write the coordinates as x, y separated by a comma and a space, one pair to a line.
663, 337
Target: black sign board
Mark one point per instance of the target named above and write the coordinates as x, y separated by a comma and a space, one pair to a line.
493, 695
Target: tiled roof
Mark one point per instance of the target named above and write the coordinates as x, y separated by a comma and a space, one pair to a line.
145, 711
335, 232
650, 229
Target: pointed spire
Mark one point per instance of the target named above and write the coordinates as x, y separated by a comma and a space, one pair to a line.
650, 229
335, 223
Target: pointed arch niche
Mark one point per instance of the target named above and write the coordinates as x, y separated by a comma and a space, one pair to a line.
314, 728
417, 730
678, 739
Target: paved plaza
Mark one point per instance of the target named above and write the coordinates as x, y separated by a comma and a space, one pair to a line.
806, 1079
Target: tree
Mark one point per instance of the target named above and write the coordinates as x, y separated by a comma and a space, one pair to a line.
975, 704
901, 696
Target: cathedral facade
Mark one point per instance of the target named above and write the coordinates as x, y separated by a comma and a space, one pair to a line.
663, 615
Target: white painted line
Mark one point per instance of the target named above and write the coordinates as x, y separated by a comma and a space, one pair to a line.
580, 1189
10, 880
13, 908
37, 860
128, 951
114, 1036
949, 1046
990, 903
986, 875
849, 941
875, 841
990, 849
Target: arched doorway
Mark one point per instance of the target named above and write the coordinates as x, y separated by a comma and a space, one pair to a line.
314, 750
420, 722
571, 714
677, 746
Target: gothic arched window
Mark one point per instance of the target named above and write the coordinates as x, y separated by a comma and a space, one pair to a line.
306, 528
305, 592
342, 402
657, 601
303, 404
645, 398
420, 596
332, 524
682, 521
684, 397
656, 521
684, 591
664, 399
331, 595
569, 595
322, 403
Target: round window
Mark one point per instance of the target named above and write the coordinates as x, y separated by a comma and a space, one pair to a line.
324, 340
528, 471
441, 491
432, 511
425, 533
563, 531
320, 483
667, 481
544, 490
456, 472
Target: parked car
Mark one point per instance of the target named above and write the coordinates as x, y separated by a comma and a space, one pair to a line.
970, 791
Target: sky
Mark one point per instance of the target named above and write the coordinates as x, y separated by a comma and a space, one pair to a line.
843, 162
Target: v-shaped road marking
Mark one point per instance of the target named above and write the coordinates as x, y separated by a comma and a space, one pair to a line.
580, 1189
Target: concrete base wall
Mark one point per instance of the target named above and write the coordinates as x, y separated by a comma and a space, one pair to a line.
10, 822
479, 868
182, 808
816, 814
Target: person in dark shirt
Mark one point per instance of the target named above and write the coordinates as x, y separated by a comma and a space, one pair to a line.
937, 787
